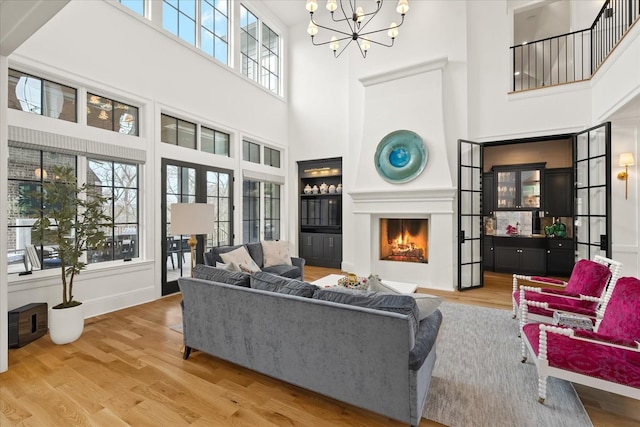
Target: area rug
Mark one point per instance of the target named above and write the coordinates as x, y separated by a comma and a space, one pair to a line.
479, 380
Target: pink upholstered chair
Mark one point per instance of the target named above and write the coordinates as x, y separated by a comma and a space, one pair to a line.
607, 358
587, 290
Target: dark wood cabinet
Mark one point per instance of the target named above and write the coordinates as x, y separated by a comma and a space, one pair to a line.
518, 186
321, 249
488, 194
488, 254
560, 257
320, 232
558, 192
520, 255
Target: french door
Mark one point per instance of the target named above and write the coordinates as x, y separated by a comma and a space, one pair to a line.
592, 177
193, 183
592, 201
470, 247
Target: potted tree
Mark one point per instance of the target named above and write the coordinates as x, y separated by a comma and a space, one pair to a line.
72, 218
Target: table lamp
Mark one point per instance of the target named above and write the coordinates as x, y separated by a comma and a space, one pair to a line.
192, 219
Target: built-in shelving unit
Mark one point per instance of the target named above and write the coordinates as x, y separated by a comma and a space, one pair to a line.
320, 204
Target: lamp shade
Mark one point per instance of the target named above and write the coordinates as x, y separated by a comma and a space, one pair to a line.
626, 159
192, 218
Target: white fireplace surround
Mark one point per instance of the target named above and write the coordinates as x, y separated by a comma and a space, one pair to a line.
430, 195
436, 205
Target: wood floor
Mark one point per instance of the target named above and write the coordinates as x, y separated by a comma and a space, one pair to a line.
127, 369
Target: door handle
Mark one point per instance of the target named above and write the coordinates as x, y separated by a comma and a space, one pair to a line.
604, 242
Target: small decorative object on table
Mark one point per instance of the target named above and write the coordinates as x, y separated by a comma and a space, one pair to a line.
351, 281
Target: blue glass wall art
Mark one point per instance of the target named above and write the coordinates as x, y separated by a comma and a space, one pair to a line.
401, 156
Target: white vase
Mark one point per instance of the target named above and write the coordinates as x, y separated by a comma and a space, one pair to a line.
66, 324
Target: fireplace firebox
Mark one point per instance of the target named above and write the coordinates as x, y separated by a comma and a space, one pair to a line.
404, 239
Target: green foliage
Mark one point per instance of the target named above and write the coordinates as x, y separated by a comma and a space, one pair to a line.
72, 218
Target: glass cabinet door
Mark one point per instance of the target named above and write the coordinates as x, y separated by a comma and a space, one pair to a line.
506, 189
530, 189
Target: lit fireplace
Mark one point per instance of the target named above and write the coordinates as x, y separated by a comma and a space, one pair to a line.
403, 240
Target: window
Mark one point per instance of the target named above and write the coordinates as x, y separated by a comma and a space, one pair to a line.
214, 32
112, 115
118, 182
26, 173
254, 193
250, 211
271, 157
136, 5
213, 141
42, 97
271, 211
249, 43
178, 132
270, 59
179, 17
250, 152
211, 17
257, 40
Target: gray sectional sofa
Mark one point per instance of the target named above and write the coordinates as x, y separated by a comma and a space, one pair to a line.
380, 359
295, 271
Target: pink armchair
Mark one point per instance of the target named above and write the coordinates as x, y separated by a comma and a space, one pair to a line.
588, 288
607, 358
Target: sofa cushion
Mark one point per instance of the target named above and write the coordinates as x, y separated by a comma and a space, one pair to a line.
398, 303
290, 271
255, 250
272, 283
241, 260
275, 252
205, 272
213, 255
427, 303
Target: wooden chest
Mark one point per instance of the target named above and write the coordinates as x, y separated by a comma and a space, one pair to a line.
27, 323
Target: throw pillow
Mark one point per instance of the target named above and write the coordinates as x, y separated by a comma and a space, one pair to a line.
240, 258
222, 265
214, 274
275, 253
284, 285
427, 303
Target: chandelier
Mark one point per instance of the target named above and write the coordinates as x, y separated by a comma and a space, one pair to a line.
354, 21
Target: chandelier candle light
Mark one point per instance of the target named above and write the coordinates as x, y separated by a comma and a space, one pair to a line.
354, 21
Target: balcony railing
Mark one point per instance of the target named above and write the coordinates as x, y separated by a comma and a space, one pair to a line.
575, 56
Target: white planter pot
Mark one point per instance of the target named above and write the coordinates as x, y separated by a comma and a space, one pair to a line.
66, 324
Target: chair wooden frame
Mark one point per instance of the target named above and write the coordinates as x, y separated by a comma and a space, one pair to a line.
545, 371
614, 266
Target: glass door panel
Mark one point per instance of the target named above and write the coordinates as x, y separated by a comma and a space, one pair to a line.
530, 188
470, 247
506, 187
592, 168
191, 183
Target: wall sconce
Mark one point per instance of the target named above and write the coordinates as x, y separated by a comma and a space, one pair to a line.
626, 160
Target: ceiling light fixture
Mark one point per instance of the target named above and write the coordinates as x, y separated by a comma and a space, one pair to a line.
354, 22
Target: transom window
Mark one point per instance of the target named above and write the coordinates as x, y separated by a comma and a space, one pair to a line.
250, 152
112, 115
183, 18
43, 97
260, 43
178, 132
213, 141
271, 157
